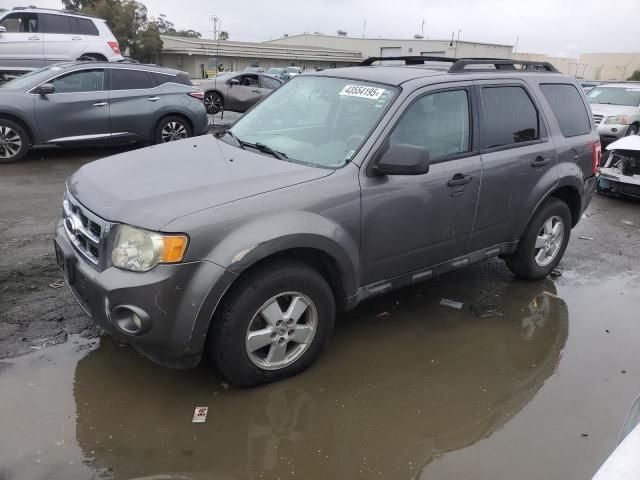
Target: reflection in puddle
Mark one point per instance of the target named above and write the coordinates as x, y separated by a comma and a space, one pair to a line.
391, 394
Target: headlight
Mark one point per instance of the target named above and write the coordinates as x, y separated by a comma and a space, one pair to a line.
141, 250
618, 120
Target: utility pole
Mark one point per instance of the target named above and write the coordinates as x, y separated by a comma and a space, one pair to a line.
364, 27
216, 25
422, 28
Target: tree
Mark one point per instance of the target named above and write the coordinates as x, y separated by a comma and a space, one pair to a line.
165, 27
635, 77
223, 35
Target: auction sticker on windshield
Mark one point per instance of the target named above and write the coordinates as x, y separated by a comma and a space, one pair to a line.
362, 91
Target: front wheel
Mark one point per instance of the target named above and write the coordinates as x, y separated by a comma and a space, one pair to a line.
273, 324
543, 243
172, 128
14, 142
213, 102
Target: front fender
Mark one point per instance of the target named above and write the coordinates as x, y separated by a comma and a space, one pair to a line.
266, 236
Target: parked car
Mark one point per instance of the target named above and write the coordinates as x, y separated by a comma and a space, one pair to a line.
616, 109
587, 85
32, 38
620, 174
254, 70
293, 71
279, 73
341, 185
237, 92
97, 102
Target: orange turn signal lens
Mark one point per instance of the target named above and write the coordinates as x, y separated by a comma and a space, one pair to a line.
174, 248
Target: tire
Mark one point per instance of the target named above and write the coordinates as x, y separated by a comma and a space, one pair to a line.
14, 142
239, 315
527, 261
172, 128
213, 102
633, 130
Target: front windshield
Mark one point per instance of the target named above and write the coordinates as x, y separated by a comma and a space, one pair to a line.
293, 69
316, 120
629, 96
32, 78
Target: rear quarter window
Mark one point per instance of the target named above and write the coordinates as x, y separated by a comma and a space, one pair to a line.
568, 108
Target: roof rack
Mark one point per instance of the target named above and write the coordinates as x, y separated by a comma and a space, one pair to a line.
460, 64
67, 12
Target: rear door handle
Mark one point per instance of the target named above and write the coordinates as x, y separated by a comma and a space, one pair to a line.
153, 99
540, 162
100, 104
35, 37
459, 179
255, 91
76, 38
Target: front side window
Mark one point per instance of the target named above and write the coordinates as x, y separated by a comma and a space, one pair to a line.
319, 121
438, 122
568, 108
83, 81
628, 96
122, 79
509, 117
20, 23
248, 80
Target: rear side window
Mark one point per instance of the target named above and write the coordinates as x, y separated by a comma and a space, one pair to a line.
509, 117
161, 78
568, 108
130, 79
56, 23
84, 26
270, 83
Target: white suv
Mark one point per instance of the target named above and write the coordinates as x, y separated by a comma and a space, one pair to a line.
31, 38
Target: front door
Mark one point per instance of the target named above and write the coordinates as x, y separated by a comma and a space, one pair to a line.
78, 110
21, 46
412, 222
518, 161
242, 96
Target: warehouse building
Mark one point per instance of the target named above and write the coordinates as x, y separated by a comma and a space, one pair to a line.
386, 47
201, 56
605, 66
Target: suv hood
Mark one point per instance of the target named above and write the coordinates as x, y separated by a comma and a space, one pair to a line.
151, 186
611, 110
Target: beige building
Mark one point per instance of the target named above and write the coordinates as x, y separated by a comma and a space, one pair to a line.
198, 56
592, 66
387, 47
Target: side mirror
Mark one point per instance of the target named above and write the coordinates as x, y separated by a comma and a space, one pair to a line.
46, 89
402, 159
3, 30
234, 81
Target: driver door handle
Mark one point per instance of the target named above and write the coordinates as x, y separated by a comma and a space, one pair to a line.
459, 179
100, 104
540, 162
153, 99
35, 37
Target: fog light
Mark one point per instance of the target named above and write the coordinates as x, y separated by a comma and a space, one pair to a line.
614, 130
130, 319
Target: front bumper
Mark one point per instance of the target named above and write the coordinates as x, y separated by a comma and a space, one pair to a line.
178, 299
611, 132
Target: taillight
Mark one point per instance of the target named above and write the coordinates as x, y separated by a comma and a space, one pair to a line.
597, 156
115, 47
199, 95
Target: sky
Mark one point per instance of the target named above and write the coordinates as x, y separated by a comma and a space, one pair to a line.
555, 27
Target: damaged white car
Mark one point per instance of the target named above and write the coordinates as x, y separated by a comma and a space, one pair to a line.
620, 174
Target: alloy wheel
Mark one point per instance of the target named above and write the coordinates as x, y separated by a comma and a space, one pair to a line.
173, 131
213, 103
281, 330
10, 142
549, 241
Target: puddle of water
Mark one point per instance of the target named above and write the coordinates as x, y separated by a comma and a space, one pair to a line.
407, 388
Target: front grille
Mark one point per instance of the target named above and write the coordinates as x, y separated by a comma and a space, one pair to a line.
84, 229
598, 119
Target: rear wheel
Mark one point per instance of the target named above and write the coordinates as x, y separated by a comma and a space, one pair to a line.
544, 241
633, 130
14, 141
172, 128
273, 324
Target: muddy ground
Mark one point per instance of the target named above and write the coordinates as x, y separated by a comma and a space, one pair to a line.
527, 380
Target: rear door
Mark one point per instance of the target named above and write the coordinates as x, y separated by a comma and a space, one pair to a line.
62, 38
136, 102
518, 161
21, 46
77, 111
267, 85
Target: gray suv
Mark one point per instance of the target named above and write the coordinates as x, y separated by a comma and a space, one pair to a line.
98, 102
339, 186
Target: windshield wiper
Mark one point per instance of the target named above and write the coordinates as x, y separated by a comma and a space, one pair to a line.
226, 131
266, 149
